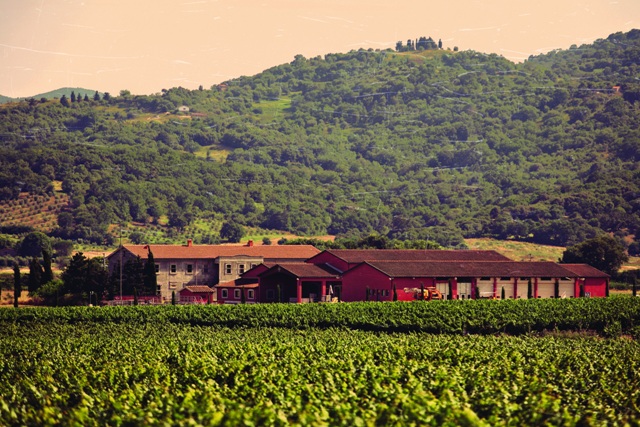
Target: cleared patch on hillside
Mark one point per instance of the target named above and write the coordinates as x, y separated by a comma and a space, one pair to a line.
518, 251
215, 152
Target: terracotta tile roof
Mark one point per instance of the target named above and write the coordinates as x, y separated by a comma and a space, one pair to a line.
584, 270
361, 255
471, 269
267, 252
238, 283
303, 269
199, 289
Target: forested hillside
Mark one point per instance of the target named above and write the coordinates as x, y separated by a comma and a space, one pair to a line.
431, 144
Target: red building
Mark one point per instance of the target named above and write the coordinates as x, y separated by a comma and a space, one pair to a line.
407, 275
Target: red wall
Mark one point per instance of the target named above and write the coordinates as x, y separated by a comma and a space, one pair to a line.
327, 258
596, 286
356, 281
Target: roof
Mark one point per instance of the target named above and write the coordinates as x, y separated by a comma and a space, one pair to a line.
238, 283
471, 269
362, 255
584, 270
267, 252
303, 269
198, 289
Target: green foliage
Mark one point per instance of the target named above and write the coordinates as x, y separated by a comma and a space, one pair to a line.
34, 244
232, 231
161, 372
353, 144
84, 276
604, 253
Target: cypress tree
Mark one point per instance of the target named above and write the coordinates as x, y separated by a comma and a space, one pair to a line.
529, 289
135, 296
395, 292
150, 278
17, 285
173, 297
47, 273
502, 294
35, 276
634, 285
242, 297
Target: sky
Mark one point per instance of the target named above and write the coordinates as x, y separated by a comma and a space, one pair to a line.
144, 46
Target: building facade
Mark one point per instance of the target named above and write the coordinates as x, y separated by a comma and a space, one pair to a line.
408, 275
179, 266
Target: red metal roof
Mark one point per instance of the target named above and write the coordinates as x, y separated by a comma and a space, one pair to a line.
303, 269
471, 269
584, 270
267, 252
361, 255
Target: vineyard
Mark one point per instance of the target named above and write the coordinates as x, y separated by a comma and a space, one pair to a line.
332, 364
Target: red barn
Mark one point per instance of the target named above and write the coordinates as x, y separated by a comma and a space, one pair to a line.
407, 275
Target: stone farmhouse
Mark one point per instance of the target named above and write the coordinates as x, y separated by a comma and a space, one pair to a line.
179, 267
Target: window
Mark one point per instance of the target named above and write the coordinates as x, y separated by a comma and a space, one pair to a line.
236, 293
504, 279
157, 266
173, 285
253, 264
205, 269
158, 289
173, 269
224, 293
189, 268
250, 294
227, 269
240, 268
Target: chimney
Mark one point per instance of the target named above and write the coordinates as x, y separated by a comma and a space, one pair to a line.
250, 243
189, 243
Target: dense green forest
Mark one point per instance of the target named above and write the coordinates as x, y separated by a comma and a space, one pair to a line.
425, 144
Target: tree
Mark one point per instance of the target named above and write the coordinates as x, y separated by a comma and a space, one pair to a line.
47, 273
395, 292
17, 285
232, 231
73, 97
84, 276
502, 293
34, 243
35, 276
602, 252
64, 101
96, 96
150, 278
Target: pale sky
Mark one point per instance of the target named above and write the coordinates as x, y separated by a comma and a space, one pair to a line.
145, 46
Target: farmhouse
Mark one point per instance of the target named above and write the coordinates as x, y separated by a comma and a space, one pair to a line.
182, 266
407, 275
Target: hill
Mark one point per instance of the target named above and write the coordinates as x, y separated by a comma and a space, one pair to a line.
54, 94
436, 145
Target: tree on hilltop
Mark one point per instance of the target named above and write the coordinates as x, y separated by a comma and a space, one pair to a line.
602, 252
